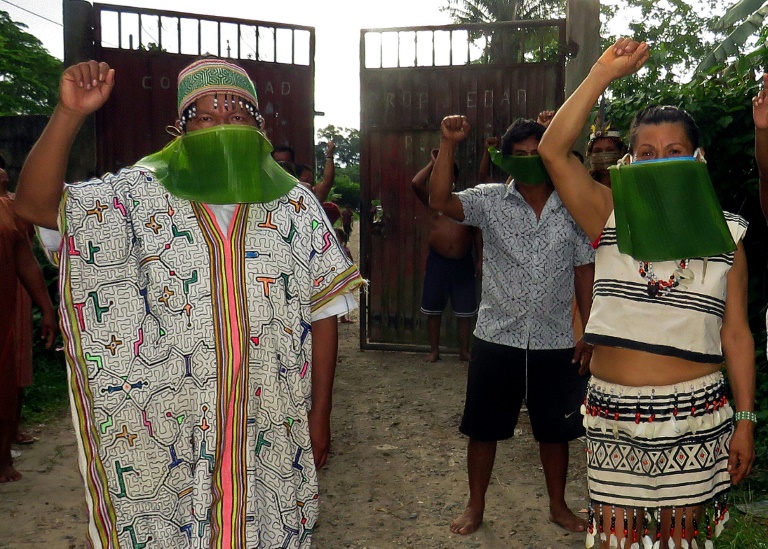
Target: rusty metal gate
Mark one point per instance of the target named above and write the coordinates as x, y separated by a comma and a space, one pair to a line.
148, 47
410, 79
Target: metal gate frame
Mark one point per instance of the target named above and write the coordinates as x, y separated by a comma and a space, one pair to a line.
144, 100
384, 114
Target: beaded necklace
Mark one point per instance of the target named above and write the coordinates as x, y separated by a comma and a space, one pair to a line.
682, 276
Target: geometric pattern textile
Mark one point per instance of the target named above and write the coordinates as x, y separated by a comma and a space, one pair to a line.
528, 272
190, 362
646, 448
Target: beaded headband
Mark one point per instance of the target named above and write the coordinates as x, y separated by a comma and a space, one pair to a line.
213, 75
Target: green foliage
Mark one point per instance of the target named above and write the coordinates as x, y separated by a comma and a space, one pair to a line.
744, 20
680, 33
346, 188
510, 45
29, 75
47, 396
491, 11
347, 141
346, 192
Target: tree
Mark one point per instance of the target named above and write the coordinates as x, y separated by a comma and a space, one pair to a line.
347, 142
492, 11
742, 21
509, 45
29, 75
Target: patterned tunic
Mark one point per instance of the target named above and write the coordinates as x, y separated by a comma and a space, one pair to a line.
190, 362
528, 278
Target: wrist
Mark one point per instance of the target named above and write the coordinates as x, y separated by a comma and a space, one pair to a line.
74, 118
745, 415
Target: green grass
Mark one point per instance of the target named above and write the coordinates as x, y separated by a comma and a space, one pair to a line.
47, 398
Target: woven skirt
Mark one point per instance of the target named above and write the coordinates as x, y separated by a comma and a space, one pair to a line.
658, 447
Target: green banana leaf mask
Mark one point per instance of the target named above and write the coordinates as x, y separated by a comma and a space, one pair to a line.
524, 169
225, 164
667, 210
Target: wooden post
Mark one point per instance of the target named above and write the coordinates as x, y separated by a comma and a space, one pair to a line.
79, 46
582, 32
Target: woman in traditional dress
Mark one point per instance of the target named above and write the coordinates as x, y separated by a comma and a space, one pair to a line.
662, 448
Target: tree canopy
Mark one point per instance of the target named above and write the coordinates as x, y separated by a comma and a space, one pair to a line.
491, 11
29, 75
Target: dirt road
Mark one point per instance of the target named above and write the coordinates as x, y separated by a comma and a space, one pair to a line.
396, 476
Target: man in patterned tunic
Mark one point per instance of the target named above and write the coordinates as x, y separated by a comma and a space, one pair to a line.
199, 307
534, 258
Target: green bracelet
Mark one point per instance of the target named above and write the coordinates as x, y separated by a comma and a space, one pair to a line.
749, 416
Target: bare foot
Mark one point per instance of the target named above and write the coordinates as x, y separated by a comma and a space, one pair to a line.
9, 474
434, 356
24, 438
469, 521
566, 519
464, 356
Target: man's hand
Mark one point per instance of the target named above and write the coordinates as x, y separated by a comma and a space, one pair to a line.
491, 142
582, 354
625, 57
330, 148
320, 434
454, 129
545, 117
48, 328
85, 87
760, 107
742, 451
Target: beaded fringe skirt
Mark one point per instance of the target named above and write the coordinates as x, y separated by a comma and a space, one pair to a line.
654, 448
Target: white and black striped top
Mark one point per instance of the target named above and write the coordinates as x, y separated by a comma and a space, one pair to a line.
683, 323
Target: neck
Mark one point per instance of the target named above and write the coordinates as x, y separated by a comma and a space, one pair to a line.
534, 194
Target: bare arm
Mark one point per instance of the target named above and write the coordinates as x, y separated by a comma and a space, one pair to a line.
454, 129
82, 90
31, 277
325, 345
477, 241
588, 202
760, 117
739, 351
419, 181
484, 172
323, 189
584, 277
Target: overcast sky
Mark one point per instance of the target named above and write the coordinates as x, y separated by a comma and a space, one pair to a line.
337, 33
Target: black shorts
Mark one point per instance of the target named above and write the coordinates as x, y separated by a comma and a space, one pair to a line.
501, 376
446, 277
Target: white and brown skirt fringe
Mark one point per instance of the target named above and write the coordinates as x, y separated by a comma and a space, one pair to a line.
653, 450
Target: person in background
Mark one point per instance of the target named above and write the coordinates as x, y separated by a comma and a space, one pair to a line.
450, 270
19, 266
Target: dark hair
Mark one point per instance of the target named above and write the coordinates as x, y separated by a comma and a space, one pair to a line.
520, 130
301, 168
285, 148
618, 140
455, 170
288, 167
341, 235
2, 162
664, 114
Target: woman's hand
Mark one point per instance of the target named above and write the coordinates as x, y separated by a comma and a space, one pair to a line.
625, 57
742, 451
